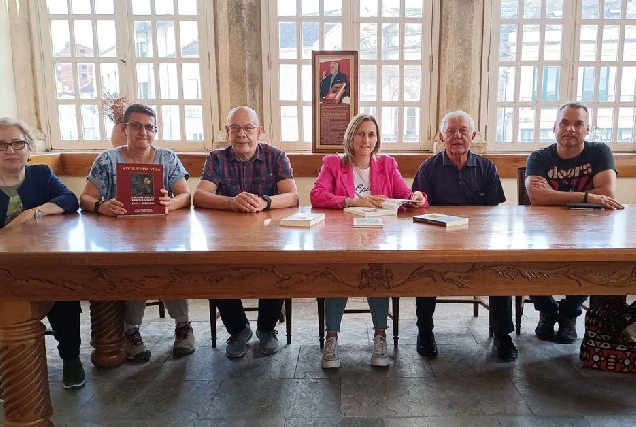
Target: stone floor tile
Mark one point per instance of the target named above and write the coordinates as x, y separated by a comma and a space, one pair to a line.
452, 421
242, 422
169, 402
416, 397
542, 421
334, 422
270, 398
562, 396
612, 421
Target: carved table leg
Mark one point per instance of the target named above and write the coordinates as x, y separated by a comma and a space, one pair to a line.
23, 372
107, 333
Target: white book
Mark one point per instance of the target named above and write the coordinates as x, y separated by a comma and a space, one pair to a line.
374, 222
363, 211
302, 219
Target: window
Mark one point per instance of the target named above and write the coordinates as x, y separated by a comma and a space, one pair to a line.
152, 51
394, 44
582, 50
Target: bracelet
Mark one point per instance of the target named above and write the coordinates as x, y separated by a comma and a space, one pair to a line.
346, 205
37, 214
585, 197
96, 207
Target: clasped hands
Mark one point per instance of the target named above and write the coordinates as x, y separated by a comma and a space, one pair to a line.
606, 201
247, 202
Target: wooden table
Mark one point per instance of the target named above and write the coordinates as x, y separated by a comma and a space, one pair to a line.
505, 250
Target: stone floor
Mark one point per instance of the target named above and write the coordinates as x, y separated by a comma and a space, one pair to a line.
465, 386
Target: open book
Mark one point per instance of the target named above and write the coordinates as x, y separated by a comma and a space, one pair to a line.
389, 207
396, 204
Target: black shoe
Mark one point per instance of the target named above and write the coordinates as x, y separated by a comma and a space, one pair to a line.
426, 345
567, 330
506, 349
545, 329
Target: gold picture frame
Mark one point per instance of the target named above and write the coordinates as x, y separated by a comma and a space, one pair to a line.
334, 97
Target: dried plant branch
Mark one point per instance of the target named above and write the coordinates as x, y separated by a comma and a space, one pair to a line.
113, 106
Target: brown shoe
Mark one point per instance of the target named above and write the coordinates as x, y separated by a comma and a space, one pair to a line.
545, 328
567, 330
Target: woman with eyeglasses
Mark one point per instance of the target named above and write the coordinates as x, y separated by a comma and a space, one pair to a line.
361, 177
100, 197
28, 193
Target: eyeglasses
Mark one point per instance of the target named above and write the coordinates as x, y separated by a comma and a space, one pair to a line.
16, 145
249, 129
462, 131
136, 126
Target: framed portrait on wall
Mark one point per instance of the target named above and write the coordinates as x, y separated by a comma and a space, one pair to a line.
334, 97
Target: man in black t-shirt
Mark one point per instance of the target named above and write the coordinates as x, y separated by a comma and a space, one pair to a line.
569, 171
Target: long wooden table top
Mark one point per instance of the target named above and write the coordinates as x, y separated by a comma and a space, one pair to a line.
206, 253
503, 233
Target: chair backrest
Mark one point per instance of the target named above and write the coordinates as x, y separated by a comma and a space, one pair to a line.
522, 194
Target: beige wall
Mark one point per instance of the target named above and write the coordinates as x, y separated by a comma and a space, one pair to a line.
626, 192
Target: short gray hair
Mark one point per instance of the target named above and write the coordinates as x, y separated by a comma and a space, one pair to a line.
454, 115
10, 122
253, 115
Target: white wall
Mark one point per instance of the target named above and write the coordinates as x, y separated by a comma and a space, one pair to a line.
626, 186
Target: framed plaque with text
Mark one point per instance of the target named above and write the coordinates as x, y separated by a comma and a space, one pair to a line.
334, 97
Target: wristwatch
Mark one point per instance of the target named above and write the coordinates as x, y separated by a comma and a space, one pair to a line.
96, 208
268, 200
38, 214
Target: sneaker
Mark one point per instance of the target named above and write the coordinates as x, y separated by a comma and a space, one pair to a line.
136, 351
505, 348
330, 354
426, 345
567, 330
73, 375
237, 344
380, 356
268, 341
545, 328
183, 341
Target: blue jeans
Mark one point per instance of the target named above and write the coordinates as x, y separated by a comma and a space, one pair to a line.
334, 309
568, 307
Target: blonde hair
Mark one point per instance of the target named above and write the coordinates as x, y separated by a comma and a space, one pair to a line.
10, 122
352, 128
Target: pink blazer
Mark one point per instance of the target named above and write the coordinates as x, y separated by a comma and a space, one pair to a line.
335, 181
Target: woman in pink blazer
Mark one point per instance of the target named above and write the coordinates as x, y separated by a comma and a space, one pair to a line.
360, 177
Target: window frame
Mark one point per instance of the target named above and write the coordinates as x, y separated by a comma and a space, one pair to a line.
126, 62
430, 23
569, 63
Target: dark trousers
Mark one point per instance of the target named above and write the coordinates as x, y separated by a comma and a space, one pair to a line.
500, 313
234, 318
64, 318
570, 306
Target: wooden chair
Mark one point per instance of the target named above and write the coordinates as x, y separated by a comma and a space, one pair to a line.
394, 315
162, 309
522, 200
285, 316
